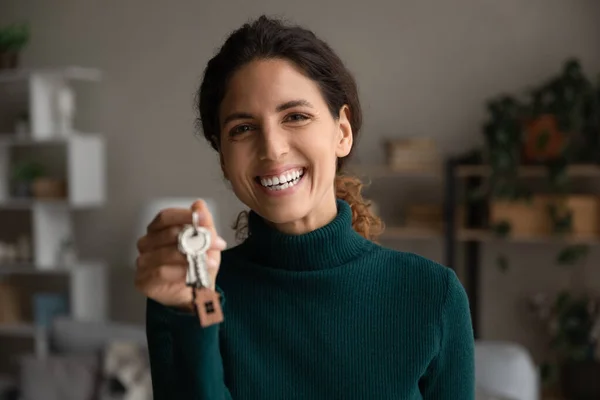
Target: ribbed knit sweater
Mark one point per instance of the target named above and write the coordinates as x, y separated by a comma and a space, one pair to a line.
323, 315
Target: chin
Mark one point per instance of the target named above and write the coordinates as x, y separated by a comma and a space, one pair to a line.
282, 212
282, 215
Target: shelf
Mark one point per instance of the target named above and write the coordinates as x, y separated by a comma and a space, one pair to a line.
25, 204
21, 330
383, 171
577, 170
71, 73
399, 232
480, 235
483, 235
469, 171
30, 268
12, 139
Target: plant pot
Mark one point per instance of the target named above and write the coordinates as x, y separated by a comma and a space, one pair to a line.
543, 140
49, 188
9, 60
585, 212
526, 219
581, 380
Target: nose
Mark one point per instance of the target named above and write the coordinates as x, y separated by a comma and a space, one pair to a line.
274, 144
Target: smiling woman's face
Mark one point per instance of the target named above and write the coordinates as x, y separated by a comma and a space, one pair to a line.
280, 144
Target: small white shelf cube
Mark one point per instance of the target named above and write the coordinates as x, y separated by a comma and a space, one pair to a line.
48, 91
85, 174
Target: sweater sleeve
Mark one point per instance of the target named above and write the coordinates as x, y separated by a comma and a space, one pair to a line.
185, 359
452, 373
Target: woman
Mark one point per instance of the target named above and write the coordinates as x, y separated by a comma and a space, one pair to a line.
314, 309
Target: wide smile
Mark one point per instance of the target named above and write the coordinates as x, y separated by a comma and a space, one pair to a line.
282, 183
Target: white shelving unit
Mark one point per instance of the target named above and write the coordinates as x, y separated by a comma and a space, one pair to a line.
51, 219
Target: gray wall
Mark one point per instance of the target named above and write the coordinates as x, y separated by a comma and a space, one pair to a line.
423, 67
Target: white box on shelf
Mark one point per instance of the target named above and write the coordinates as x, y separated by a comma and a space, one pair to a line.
88, 291
51, 225
86, 170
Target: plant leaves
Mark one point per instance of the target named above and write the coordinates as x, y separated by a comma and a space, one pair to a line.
501, 229
571, 255
543, 140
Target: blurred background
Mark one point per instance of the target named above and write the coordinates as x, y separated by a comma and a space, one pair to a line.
480, 149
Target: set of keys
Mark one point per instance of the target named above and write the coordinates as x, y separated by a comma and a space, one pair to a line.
194, 242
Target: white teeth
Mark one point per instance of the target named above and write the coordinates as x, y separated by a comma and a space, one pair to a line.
283, 181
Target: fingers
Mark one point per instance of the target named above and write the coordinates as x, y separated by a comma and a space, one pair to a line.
169, 217
167, 255
213, 254
160, 259
155, 239
205, 217
169, 237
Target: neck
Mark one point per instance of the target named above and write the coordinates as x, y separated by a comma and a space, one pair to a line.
328, 246
317, 218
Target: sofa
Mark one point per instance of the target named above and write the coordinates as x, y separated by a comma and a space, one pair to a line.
76, 367
503, 370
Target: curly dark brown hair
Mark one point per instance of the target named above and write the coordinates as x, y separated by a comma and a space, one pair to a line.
268, 38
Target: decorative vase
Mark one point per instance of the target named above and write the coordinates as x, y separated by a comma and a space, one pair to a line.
67, 253
580, 380
65, 110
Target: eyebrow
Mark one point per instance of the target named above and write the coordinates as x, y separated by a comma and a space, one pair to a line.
279, 108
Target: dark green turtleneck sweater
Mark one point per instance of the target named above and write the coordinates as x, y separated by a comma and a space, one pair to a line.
324, 315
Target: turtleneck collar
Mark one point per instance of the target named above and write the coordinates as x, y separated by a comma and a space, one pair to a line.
327, 247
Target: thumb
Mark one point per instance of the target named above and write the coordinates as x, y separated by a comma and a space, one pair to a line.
206, 220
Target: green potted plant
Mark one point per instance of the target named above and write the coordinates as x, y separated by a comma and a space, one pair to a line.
556, 124
572, 324
13, 38
23, 176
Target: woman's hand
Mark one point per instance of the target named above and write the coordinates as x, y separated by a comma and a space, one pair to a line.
161, 267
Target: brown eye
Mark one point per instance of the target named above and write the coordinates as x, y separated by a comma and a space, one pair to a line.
240, 129
296, 117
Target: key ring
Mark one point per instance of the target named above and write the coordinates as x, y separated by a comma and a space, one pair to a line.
195, 221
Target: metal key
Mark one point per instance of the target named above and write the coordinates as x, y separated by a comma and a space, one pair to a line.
194, 241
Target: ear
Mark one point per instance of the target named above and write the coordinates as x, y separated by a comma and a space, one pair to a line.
344, 138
